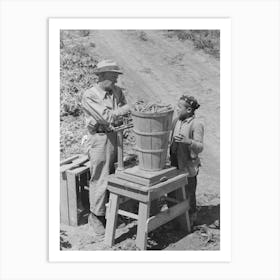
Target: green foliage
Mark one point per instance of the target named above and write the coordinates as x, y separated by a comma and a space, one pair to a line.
76, 75
207, 40
72, 129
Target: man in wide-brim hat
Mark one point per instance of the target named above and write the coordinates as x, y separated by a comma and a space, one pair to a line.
107, 66
103, 104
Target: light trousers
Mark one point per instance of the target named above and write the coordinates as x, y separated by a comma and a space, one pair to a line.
102, 151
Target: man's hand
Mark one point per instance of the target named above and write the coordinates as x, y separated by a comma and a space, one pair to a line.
118, 121
182, 139
125, 133
121, 111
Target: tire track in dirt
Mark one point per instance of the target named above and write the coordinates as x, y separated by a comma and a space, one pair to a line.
162, 68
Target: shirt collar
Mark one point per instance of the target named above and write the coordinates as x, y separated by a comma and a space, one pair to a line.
102, 93
188, 120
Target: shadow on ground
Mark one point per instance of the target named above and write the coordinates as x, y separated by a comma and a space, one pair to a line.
208, 214
167, 234
205, 235
64, 243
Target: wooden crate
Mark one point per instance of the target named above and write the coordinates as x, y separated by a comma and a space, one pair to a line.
74, 178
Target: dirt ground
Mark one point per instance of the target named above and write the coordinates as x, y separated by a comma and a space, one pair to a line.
158, 67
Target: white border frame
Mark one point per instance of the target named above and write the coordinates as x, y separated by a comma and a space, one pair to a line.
224, 254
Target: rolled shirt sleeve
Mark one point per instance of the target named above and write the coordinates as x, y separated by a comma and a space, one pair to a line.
96, 112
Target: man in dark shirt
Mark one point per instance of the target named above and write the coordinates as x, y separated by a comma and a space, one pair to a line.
186, 143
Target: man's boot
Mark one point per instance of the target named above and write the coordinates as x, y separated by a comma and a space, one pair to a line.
97, 223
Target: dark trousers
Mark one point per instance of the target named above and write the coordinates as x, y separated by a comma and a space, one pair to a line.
190, 190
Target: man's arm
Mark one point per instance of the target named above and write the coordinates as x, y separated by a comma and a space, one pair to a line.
172, 130
123, 107
96, 110
122, 99
194, 142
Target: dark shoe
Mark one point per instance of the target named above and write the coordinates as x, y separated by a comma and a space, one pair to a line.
96, 223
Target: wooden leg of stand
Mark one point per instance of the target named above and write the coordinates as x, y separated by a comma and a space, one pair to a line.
142, 230
184, 219
112, 218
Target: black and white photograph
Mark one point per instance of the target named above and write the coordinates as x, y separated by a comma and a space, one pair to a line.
140, 139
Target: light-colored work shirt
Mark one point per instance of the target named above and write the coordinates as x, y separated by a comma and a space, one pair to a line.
187, 154
98, 106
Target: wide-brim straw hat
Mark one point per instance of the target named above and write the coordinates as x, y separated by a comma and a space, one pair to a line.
107, 66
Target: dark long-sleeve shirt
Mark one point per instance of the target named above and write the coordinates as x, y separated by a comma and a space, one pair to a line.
186, 155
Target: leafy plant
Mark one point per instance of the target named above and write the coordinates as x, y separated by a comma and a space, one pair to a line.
76, 75
207, 40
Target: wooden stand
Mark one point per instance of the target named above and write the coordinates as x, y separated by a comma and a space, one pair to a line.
145, 195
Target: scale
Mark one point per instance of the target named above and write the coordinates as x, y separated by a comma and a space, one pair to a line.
146, 188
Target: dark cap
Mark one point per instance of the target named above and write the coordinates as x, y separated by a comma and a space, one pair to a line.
191, 101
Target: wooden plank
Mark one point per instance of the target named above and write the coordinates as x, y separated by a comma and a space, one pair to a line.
170, 199
79, 161
146, 178
128, 193
113, 180
120, 150
72, 198
168, 186
128, 214
68, 160
64, 214
132, 178
184, 219
112, 215
78, 170
136, 171
146, 141
166, 216
156, 190
84, 194
142, 231
150, 156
